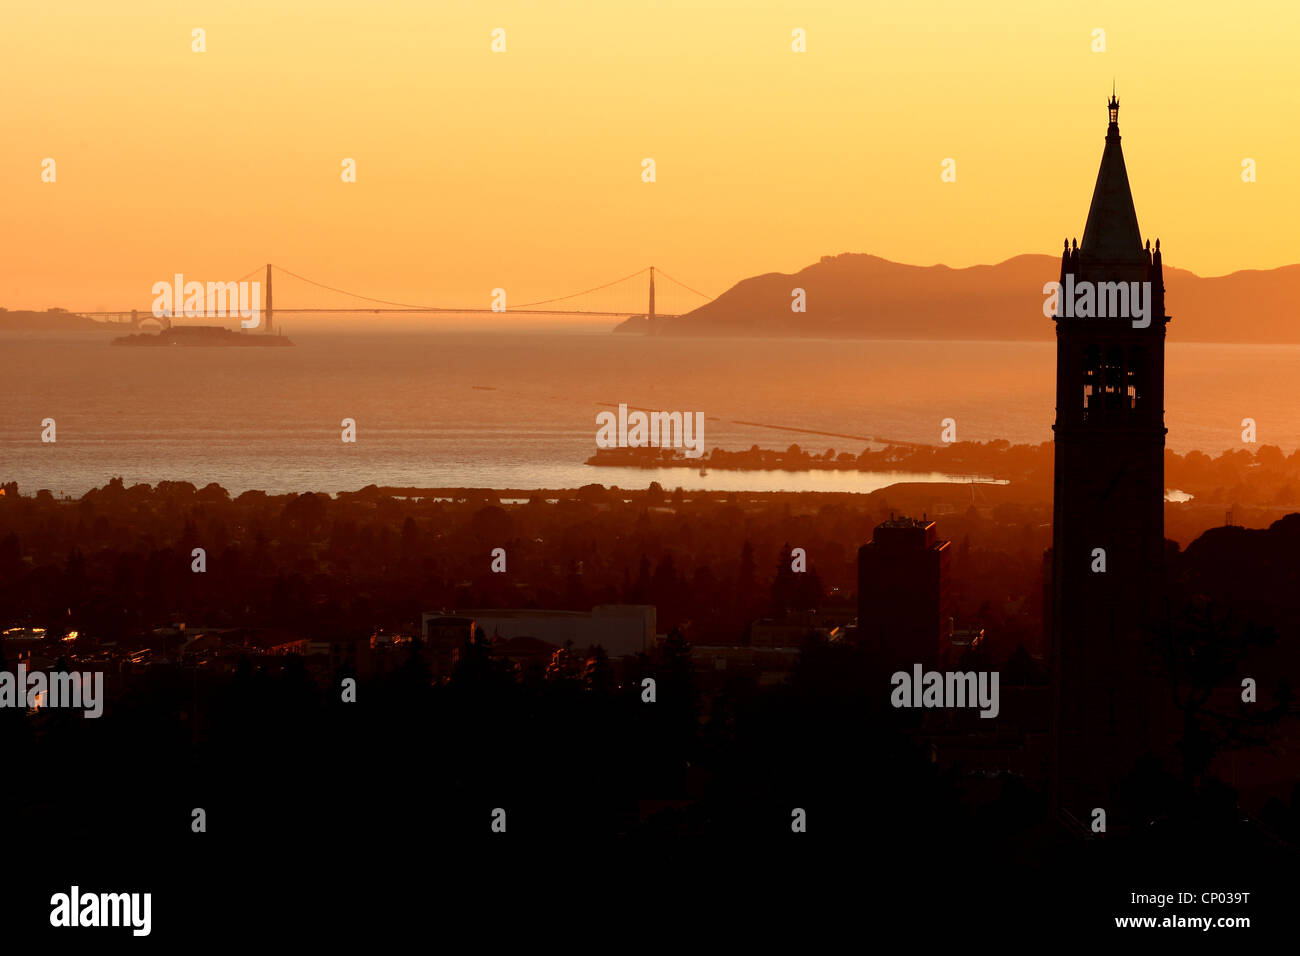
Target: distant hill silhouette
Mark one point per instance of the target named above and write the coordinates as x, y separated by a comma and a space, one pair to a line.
863, 296
51, 320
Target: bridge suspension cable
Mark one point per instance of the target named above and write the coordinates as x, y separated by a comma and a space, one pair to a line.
355, 295
411, 307
517, 308
585, 291
685, 286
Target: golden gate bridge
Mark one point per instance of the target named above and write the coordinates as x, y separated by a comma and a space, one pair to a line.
136, 317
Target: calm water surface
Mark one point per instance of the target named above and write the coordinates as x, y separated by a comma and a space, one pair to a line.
517, 409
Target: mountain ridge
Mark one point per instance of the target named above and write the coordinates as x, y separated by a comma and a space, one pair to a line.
861, 295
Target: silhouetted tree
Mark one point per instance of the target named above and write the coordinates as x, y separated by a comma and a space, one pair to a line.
597, 672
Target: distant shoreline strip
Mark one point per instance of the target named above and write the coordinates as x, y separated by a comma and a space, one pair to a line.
789, 428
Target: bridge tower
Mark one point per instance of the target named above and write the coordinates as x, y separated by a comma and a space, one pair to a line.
651, 314
270, 313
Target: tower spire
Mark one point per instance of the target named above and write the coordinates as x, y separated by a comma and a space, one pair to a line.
1111, 233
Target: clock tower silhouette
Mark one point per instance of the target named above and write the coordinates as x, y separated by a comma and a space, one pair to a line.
1105, 570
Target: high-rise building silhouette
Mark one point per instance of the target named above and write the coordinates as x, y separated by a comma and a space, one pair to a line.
903, 593
1106, 565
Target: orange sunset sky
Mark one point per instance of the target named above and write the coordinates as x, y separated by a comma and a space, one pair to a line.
523, 169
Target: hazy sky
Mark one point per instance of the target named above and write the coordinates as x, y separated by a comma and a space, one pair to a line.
523, 169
